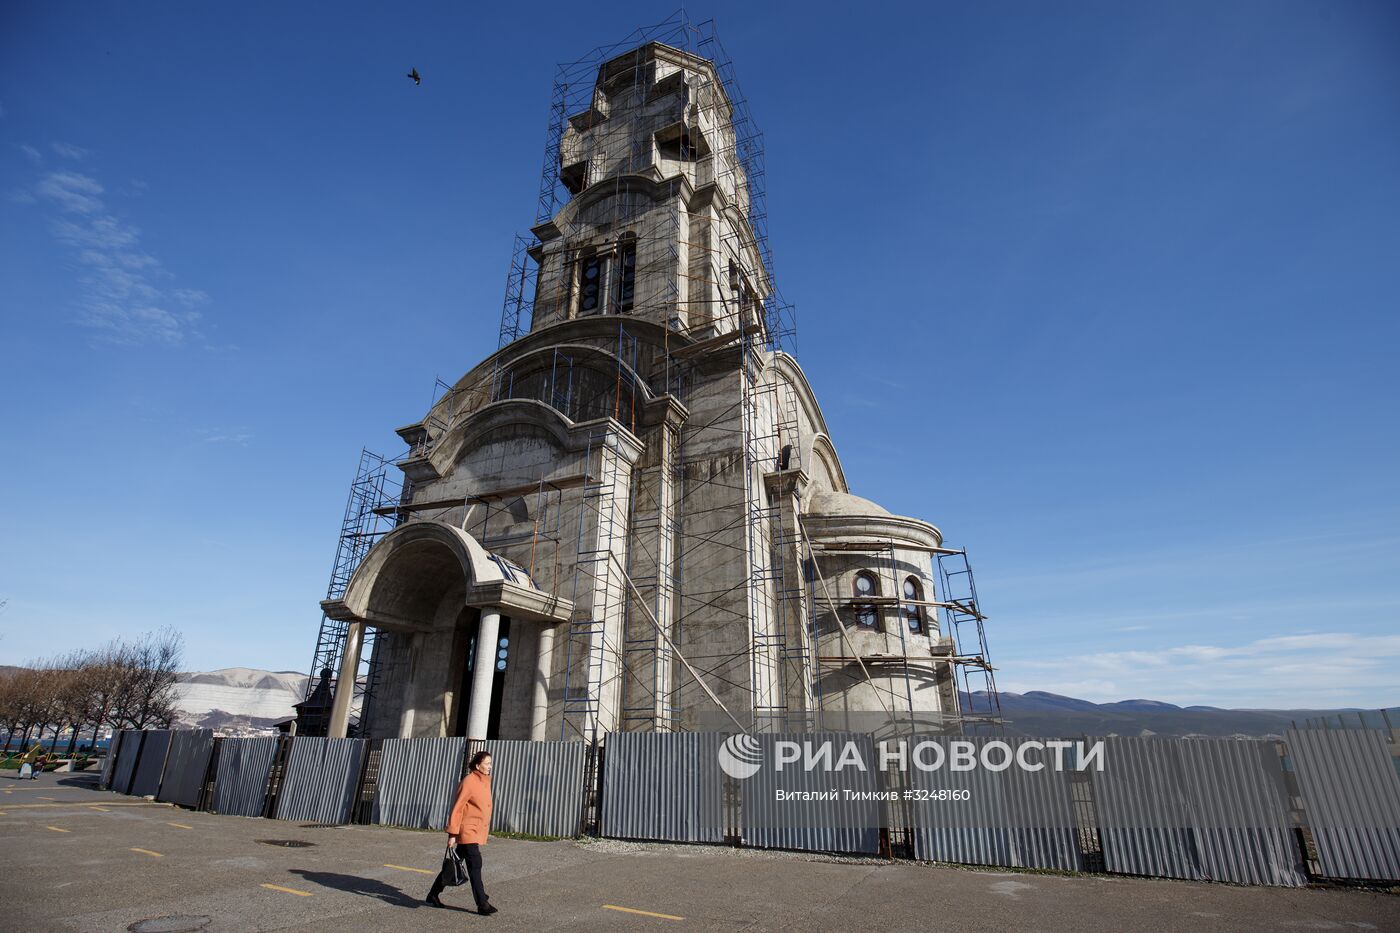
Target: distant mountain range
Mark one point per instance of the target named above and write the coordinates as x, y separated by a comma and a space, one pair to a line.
239, 699
1039, 713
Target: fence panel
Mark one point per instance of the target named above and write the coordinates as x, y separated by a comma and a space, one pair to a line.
1239, 806
537, 787
1012, 817
125, 768
109, 763
838, 823
417, 778
186, 766
150, 767
240, 787
665, 786
1351, 794
320, 781
1144, 812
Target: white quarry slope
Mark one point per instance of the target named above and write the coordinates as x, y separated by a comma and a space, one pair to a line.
240, 692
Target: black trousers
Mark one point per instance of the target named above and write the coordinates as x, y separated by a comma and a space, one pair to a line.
471, 854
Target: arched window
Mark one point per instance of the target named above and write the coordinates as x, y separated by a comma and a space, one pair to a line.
624, 273
913, 612
867, 616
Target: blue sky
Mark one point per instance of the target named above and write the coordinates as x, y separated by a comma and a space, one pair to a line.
1107, 291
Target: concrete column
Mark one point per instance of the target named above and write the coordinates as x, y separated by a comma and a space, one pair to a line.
544, 665
345, 683
487, 637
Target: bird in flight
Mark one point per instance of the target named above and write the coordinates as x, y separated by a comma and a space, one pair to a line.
414, 75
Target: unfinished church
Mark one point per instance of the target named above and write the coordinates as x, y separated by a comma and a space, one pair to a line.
632, 515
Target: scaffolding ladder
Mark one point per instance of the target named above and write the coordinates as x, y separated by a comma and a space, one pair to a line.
585, 674
365, 521
971, 659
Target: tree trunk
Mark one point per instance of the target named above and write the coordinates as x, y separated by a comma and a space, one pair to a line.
97, 728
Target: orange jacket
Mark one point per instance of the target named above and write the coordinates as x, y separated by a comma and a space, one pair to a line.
471, 810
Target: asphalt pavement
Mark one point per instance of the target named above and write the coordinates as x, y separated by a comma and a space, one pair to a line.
76, 858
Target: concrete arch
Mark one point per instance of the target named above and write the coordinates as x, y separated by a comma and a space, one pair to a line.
406, 575
605, 357
822, 451
465, 433
817, 447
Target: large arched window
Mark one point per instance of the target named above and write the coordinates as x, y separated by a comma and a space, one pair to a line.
913, 611
866, 588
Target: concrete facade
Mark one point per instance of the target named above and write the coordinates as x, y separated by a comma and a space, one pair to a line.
636, 507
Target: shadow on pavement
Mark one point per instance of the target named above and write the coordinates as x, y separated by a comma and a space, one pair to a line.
369, 887
79, 780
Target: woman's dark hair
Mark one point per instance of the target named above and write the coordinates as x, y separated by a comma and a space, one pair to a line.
477, 759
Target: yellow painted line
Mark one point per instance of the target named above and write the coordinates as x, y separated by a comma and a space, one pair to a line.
146, 852
421, 871
75, 803
99, 809
58, 829
178, 825
278, 887
644, 913
48, 798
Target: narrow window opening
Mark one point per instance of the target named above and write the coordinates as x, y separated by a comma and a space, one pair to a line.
913, 612
590, 283
625, 275
867, 616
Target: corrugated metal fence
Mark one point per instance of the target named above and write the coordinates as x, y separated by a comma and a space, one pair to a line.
240, 787
663, 786
127, 752
816, 813
537, 787
320, 780
1204, 809
417, 778
1352, 798
186, 767
1016, 818
145, 781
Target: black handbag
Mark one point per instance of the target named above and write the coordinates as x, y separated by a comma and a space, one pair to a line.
454, 868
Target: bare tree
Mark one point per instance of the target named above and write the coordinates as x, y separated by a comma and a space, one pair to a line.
122, 684
103, 675
149, 673
11, 704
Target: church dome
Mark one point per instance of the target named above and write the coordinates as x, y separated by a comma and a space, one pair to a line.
831, 502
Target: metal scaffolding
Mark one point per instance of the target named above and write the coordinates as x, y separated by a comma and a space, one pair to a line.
371, 512
618, 545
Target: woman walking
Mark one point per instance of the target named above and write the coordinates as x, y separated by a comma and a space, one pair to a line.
467, 826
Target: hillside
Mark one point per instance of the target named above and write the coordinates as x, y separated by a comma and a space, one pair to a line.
238, 699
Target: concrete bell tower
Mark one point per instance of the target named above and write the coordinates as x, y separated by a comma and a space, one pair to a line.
655, 187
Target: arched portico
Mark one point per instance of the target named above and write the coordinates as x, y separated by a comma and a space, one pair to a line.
435, 586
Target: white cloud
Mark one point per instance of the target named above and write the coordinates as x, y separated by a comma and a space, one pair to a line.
125, 300
34, 155
68, 151
1300, 670
239, 438
72, 192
